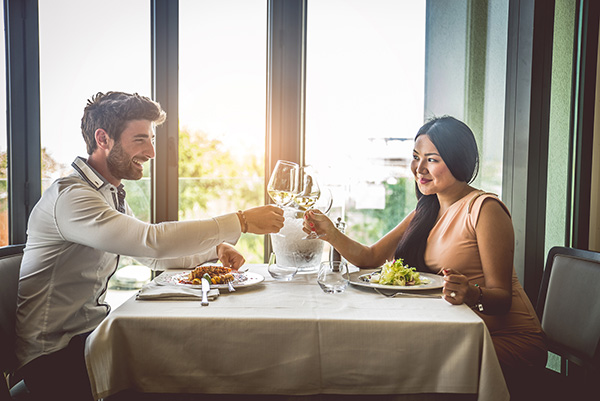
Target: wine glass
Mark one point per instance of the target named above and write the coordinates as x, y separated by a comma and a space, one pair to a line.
283, 183
309, 192
311, 196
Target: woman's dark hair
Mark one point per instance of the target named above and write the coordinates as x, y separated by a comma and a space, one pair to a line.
456, 145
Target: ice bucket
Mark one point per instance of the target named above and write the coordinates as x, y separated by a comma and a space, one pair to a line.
290, 247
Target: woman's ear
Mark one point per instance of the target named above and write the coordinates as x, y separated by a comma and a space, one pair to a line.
102, 139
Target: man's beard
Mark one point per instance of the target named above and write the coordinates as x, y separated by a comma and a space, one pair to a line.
120, 164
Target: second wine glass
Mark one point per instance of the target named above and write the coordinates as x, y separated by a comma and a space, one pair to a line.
311, 196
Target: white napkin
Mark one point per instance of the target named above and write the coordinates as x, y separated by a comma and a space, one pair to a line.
153, 291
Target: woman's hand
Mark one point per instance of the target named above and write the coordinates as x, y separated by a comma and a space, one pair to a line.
456, 289
229, 256
315, 220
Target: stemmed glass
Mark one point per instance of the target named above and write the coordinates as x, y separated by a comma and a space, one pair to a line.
311, 196
283, 183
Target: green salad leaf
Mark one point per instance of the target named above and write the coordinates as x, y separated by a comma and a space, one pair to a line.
395, 272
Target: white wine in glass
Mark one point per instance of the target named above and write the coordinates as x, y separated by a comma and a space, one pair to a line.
281, 198
311, 196
283, 183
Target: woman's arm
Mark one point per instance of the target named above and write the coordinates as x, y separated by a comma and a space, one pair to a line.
356, 253
495, 239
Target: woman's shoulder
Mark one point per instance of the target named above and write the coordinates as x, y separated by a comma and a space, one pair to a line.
481, 198
477, 199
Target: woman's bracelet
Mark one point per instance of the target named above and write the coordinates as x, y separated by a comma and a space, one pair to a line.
243, 220
478, 305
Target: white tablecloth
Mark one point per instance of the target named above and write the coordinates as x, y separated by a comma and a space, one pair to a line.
291, 338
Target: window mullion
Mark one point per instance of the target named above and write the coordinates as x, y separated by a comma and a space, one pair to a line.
165, 90
286, 73
23, 114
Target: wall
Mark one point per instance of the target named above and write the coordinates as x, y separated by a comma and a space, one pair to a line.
559, 127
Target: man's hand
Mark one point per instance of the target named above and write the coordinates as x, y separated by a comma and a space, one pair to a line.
264, 219
229, 256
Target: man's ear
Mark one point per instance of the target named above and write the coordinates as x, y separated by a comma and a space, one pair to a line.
102, 138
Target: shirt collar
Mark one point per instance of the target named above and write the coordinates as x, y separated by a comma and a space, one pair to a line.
88, 173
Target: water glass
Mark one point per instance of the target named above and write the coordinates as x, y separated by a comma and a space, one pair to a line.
333, 276
282, 272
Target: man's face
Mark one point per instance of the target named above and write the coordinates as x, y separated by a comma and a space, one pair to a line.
134, 148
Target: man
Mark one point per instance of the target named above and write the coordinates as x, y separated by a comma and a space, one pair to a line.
79, 228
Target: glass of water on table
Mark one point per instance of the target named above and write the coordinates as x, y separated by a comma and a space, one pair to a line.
333, 276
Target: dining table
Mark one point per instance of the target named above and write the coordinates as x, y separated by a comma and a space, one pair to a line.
291, 339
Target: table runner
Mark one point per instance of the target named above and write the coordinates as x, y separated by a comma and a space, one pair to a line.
291, 338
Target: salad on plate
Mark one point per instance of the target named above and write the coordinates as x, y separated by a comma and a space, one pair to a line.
395, 272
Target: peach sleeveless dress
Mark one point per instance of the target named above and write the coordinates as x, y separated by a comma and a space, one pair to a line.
452, 243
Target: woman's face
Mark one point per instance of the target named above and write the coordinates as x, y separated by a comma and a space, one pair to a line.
430, 171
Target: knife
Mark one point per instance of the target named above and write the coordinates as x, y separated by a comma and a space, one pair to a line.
205, 289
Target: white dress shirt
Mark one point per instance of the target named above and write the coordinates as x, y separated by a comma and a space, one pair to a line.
74, 238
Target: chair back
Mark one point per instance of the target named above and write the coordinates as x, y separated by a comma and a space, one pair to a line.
10, 263
569, 305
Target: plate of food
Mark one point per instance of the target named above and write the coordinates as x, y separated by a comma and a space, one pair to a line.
220, 277
395, 275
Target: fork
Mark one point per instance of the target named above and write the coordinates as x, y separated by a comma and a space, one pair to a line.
230, 285
407, 294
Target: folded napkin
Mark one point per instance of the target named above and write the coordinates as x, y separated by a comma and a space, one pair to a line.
154, 291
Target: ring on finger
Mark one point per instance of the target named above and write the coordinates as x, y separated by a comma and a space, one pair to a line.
452, 294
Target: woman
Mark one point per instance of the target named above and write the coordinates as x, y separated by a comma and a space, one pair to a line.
459, 231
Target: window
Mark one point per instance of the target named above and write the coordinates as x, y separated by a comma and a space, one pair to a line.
470, 37
222, 81
364, 104
76, 62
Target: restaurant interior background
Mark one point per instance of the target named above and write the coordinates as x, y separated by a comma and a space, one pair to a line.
342, 85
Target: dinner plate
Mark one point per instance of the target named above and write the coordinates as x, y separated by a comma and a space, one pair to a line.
361, 279
240, 280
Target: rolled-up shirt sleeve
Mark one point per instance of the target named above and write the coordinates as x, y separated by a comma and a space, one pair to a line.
83, 217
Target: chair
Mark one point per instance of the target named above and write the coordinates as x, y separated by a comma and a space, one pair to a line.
10, 263
569, 309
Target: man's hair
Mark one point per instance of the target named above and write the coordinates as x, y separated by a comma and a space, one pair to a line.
112, 111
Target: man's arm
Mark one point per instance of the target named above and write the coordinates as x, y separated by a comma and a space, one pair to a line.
84, 217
